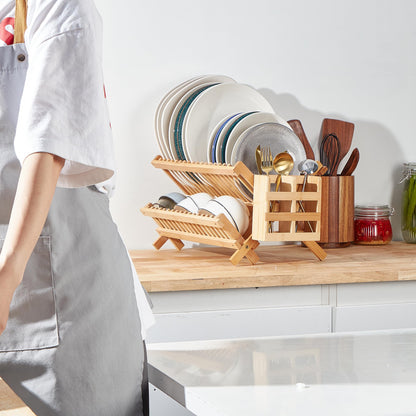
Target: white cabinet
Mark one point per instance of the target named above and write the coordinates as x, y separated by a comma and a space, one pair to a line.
372, 306
293, 310
259, 322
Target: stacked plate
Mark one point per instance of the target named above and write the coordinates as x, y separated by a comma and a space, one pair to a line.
213, 118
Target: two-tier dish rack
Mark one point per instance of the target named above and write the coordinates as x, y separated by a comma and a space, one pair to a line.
256, 191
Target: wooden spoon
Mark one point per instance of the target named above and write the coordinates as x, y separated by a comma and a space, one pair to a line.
298, 130
351, 163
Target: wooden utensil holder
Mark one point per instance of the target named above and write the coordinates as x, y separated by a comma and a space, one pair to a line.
337, 225
293, 222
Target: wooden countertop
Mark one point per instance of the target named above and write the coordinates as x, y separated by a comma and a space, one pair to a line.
10, 404
288, 265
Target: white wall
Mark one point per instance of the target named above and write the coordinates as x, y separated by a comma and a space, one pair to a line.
354, 60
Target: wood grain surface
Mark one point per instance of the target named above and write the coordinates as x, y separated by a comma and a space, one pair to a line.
289, 213
352, 163
337, 220
279, 265
11, 404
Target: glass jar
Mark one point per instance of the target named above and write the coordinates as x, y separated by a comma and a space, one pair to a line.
372, 224
409, 203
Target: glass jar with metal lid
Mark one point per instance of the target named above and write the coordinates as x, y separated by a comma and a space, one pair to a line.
372, 224
409, 202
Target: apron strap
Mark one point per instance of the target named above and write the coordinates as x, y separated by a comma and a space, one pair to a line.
20, 24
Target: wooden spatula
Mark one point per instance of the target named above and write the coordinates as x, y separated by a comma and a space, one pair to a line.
298, 130
343, 130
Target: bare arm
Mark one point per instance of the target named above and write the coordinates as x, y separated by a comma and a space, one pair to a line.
35, 190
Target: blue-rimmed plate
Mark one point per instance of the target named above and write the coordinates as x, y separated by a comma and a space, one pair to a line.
177, 117
213, 140
230, 128
163, 111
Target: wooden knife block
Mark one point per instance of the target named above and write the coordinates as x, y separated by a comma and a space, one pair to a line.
337, 221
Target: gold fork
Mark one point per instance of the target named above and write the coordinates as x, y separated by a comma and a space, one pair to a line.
267, 167
266, 160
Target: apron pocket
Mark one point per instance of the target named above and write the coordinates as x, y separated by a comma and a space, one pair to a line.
32, 323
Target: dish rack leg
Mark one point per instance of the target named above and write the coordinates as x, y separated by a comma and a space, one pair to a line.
177, 243
246, 250
162, 240
316, 249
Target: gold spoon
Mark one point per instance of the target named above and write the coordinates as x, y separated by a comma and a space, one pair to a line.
282, 164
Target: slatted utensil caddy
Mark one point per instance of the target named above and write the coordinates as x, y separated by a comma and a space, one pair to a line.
256, 192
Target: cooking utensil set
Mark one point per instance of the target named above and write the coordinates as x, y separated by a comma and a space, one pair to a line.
335, 143
337, 189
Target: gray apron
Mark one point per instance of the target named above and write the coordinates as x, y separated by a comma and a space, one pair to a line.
72, 345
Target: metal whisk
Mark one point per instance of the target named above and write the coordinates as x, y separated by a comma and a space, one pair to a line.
329, 152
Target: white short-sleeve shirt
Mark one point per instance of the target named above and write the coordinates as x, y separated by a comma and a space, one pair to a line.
63, 108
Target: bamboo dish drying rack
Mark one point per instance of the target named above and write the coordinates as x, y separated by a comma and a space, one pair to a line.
216, 180
237, 181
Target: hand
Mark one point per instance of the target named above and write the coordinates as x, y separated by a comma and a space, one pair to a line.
8, 284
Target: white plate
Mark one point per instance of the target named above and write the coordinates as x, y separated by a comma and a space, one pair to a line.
213, 139
274, 135
212, 106
243, 125
158, 117
166, 110
177, 117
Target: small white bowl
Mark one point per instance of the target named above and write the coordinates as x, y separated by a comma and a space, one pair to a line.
234, 209
170, 200
192, 203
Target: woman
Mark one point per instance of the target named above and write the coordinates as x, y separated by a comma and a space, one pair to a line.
70, 340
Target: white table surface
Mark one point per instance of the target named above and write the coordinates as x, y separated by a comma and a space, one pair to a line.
360, 373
